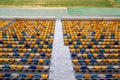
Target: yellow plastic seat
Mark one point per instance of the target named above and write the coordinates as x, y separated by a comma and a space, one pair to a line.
72, 50
116, 75
6, 60
44, 76
84, 55
41, 60
13, 66
39, 50
77, 50
29, 76
12, 60
1, 54
48, 55
19, 67
95, 55
76, 67
103, 67
32, 54
1, 75
44, 50
21, 54
29, 60
87, 76
96, 67
87, 60
49, 50
71, 46
75, 61
45, 46
116, 60
39, 67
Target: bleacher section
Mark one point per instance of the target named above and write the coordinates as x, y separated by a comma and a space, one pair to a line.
25, 49
94, 45
3, 23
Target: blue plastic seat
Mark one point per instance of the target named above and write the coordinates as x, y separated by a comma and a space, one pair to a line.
37, 42
70, 43
23, 60
15, 49
9, 45
1, 42
102, 50
47, 60
95, 43
107, 46
78, 34
7, 75
81, 61
109, 76
90, 55
33, 36
82, 50
42, 54
35, 60
6, 66
84, 37
27, 54
94, 76
93, 40
16, 54
76, 46
93, 33
78, 43
79, 76
50, 46
21, 42
101, 55
32, 67
46, 42
102, 36
41, 46
34, 50
37, 76
89, 46
110, 67
116, 43
22, 75
84, 67
27, 45
93, 60
73, 55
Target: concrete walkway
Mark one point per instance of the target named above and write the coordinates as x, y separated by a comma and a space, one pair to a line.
61, 64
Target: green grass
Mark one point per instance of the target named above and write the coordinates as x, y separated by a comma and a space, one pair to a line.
58, 3
117, 1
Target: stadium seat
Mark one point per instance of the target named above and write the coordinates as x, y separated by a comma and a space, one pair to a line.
94, 48
26, 45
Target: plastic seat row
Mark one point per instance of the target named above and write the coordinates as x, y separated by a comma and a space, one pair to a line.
96, 61
3, 23
26, 45
101, 76
38, 55
89, 46
95, 55
7, 45
94, 48
25, 60
84, 67
34, 50
23, 67
102, 50
23, 76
